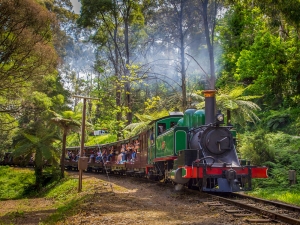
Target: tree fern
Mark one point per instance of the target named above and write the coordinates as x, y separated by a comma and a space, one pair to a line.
242, 108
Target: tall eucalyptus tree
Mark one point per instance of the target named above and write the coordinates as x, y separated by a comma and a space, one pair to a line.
178, 23
117, 26
209, 10
26, 53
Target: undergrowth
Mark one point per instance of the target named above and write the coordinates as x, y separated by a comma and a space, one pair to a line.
14, 182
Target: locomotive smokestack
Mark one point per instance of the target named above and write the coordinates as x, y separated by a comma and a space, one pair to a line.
210, 106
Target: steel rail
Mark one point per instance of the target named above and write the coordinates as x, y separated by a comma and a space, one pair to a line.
260, 200
272, 215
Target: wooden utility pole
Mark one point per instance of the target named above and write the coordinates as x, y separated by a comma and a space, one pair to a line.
82, 162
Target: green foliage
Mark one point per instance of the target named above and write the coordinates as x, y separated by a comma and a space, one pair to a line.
14, 182
64, 190
68, 121
241, 106
26, 47
258, 54
256, 148
152, 103
238, 29
144, 120
102, 139
276, 120
8, 130
278, 151
262, 67
285, 120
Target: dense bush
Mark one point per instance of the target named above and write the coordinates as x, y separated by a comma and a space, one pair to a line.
279, 151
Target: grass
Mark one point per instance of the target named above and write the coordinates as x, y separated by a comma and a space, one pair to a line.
14, 182
63, 194
290, 195
67, 199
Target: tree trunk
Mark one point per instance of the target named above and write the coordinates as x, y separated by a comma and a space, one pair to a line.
38, 169
127, 72
118, 87
209, 40
63, 153
182, 56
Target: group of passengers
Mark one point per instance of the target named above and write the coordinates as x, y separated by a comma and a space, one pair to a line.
108, 154
128, 153
101, 155
70, 156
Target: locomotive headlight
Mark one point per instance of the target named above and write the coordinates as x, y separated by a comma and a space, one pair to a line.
220, 117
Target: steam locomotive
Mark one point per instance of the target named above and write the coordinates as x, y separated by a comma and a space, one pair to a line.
194, 149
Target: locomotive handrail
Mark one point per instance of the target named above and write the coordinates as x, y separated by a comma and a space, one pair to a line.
207, 157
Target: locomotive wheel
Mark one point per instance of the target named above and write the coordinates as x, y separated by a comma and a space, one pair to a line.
150, 175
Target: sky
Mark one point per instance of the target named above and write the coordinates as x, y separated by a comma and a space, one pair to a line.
76, 6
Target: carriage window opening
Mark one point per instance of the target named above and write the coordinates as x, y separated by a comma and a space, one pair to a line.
151, 136
161, 127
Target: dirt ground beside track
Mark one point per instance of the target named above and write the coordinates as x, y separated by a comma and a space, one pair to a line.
128, 202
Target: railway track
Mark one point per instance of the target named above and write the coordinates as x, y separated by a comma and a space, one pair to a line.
256, 210
244, 208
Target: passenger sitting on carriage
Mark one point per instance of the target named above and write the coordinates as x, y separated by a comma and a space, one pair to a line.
111, 154
133, 155
124, 155
77, 156
98, 157
119, 159
104, 154
92, 157
121, 156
